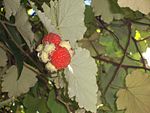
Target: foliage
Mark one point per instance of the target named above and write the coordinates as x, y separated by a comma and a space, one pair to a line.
109, 70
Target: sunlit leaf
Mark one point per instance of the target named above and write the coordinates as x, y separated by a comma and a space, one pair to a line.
80, 111
135, 97
3, 58
103, 8
82, 81
24, 27
16, 87
141, 5
11, 7
69, 15
46, 22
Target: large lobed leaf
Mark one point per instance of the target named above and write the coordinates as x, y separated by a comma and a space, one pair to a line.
16, 87
101, 7
104, 8
82, 80
11, 7
68, 18
3, 58
135, 97
141, 5
23, 25
71, 19
46, 21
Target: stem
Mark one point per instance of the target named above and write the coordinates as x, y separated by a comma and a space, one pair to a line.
108, 60
143, 39
141, 23
5, 22
18, 46
136, 45
118, 67
112, 33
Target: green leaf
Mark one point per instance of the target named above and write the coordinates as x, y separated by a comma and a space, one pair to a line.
34, 104
111, 47
14, 49
114, 7
82, 80
11, 7
15, 34
90, 21
105, 76
121, 31
14, 86
54, 106
88, 43
140, 27
24, 1
89, 15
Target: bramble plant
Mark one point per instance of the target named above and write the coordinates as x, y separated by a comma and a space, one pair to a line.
74, 56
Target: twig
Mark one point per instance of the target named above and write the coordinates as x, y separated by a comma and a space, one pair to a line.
8, 23
108, 60
18, 46
118, 67
58, 97
137, 48
112, 33
141, 23
143, 39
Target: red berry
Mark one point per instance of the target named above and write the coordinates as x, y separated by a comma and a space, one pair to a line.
51, 38
60, 58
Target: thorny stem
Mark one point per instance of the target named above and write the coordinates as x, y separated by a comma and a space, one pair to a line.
118, 67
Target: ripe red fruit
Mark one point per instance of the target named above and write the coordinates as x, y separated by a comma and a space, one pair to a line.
51, 38
60, 58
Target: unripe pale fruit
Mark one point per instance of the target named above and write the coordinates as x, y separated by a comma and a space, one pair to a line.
49, 48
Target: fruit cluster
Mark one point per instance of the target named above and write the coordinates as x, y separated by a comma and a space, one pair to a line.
54, 52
